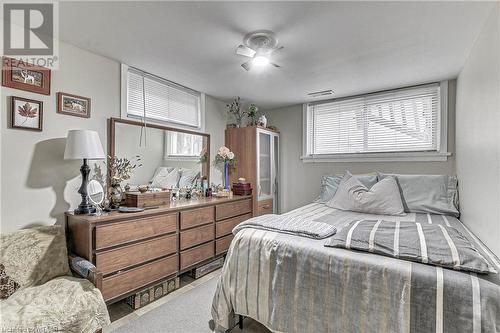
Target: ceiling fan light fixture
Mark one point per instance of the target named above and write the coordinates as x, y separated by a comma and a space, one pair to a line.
260, 61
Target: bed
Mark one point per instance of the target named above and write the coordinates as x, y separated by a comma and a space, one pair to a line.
291, 284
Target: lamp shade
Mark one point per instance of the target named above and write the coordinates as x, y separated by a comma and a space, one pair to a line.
82, 144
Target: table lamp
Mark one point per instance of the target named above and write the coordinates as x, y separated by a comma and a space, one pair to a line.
86, 145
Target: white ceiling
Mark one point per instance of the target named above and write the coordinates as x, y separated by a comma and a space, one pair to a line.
350, 47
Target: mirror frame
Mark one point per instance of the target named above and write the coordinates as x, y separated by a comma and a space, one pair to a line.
112, 132
103, 192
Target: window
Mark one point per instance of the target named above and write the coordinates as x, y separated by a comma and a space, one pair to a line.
403, 124
164, 102
183, 146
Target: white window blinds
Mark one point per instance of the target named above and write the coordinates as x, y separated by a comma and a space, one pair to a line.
403, 120
164, 101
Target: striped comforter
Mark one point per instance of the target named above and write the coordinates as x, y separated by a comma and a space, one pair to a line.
296, 284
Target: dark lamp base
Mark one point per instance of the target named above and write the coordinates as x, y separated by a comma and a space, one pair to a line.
85, 210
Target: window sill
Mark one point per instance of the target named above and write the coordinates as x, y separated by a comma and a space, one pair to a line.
379, 157
182, 158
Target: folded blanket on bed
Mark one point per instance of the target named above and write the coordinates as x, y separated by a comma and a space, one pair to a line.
432, 244
295, 225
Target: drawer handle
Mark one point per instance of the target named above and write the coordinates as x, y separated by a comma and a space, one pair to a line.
266, 207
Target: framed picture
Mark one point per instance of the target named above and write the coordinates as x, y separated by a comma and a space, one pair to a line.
20, 75
26, 114
73, 105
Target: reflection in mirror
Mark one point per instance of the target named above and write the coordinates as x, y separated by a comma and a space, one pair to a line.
95, 192
170, 159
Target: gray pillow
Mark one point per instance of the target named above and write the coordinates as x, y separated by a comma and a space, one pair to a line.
432, 244
383, 198
329, 185
435, 194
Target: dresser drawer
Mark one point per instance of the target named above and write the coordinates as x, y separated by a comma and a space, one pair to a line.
124, 282
230, 209
222, 244
192, 237
127, 231
196, 217
130, 255
196, 255
225, 227
265, 207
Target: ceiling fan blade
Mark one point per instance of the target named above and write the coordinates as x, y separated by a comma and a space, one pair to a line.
245, 51
277, 49
275, 65
247, 65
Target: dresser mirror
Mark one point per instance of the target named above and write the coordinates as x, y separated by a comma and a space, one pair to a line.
170, 157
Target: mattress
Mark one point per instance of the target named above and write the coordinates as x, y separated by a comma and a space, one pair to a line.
296, 284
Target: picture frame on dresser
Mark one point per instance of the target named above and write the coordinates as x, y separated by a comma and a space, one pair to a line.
20, 75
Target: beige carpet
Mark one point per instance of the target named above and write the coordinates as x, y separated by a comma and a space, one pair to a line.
186, 310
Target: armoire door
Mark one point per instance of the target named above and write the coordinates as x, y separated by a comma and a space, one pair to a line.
264, 165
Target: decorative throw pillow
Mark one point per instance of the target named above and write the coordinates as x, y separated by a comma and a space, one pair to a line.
161, 169
188, 177
34, 256
435, 194
329, 185
7, 285
166, 179
383, 198
432, 244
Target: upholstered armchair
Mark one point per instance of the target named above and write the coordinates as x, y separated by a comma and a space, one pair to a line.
37, 289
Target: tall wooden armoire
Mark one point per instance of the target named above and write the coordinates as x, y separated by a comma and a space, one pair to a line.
257, 153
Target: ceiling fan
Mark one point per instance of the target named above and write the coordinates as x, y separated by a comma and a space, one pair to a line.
258, 45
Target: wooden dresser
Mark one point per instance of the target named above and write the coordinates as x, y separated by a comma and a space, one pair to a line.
138, 249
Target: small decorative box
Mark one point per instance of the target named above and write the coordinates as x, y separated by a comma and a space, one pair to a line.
148, 199
242, 188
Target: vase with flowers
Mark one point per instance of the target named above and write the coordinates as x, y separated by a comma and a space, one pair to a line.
235, 109
226, 159
252, 113
120, 169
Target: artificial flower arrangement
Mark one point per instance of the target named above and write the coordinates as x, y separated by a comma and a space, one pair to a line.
235, 109
253, 114
227, 158
121, 169
203, 156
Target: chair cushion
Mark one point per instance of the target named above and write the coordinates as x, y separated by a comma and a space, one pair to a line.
383, 198
7, 285
34, 256
64, 304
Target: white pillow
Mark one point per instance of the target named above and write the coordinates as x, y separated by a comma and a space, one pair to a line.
383, 198
188, 177
166, 178
160, 169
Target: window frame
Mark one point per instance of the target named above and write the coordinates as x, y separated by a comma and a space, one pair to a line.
167, 155
124, 101
440, 155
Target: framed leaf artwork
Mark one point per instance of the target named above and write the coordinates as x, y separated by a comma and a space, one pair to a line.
20, 75
26, 114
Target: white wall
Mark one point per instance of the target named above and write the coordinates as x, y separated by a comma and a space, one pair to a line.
36, 184
478, 139
300, 182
